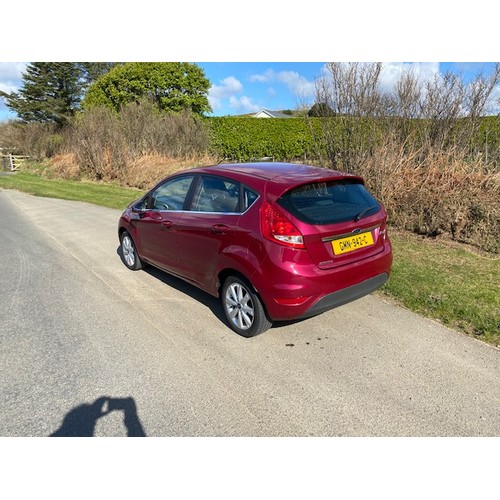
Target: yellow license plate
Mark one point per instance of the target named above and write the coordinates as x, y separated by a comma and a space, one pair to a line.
351, 243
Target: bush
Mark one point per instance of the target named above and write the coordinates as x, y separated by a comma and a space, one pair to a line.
98, 144
106, 143
440, 195
37, 140
149, 131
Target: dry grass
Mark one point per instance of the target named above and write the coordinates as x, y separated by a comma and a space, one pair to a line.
147, 170
64, 166
439, 194
141, 173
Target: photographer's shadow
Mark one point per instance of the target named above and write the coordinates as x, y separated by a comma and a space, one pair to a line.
81, 421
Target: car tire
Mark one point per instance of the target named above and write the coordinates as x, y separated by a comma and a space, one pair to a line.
129, 253
243, 308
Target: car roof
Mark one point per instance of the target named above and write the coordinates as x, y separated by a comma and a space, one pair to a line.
281, 175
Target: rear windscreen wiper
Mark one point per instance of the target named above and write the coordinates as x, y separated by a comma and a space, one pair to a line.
365, 211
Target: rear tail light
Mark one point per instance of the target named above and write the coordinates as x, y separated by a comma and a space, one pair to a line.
278, 228
383, 229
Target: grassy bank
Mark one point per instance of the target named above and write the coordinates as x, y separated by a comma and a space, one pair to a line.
447, 282
106, 195
451, 283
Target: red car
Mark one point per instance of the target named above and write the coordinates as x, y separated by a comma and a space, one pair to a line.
275, 241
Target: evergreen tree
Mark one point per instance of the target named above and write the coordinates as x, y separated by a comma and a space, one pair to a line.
52, 91
94, 70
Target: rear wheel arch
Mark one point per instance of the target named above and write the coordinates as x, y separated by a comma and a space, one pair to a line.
225, 273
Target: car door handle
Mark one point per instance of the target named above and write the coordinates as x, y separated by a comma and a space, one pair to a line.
220, 229
155, 216
167, 224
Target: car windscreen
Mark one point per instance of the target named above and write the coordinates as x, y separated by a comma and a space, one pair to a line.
329, 202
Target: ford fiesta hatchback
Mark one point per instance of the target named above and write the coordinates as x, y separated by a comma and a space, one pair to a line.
274, 241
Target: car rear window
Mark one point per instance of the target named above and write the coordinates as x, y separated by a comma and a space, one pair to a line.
329, 202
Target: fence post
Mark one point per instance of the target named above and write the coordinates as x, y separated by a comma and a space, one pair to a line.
11, 160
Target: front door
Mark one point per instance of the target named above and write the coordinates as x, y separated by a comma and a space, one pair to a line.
159, 224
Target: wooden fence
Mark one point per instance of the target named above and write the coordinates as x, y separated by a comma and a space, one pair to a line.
12, 162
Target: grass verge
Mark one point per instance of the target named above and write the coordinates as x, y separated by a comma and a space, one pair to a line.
451, 283
107, 195
455, 285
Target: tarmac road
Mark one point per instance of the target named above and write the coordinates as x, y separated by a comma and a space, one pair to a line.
90, 348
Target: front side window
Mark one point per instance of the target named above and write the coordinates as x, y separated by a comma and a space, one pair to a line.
171, 195
330, 202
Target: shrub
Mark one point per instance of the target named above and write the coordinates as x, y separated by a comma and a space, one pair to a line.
441, 194
97, 142
37, 140
106, 143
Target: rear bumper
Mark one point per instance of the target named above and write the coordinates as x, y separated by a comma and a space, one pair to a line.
304, 290
346, 295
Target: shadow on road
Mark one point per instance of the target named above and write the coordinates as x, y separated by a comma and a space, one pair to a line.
204, 298
81, 421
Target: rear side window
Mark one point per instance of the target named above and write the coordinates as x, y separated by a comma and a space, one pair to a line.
329, 202
249, 198
215, 194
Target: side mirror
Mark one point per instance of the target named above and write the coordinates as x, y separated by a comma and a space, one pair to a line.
139, 208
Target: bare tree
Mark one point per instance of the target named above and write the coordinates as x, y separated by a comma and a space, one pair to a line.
443, 106
478, 93
477, 101
404, 105
351, 90
408, 94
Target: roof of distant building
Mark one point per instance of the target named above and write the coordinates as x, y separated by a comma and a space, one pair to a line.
265, 113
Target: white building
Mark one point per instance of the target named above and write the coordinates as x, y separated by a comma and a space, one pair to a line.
265, 113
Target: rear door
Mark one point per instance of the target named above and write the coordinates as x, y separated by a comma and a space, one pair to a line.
208, 228
340, 220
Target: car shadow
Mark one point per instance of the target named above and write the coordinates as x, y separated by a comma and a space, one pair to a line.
81, 420
192, 291
195, 293
204, 298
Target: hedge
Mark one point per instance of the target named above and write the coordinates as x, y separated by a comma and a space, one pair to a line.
246, 138
237, 138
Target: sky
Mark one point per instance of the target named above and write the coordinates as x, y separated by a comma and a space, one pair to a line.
248, 87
